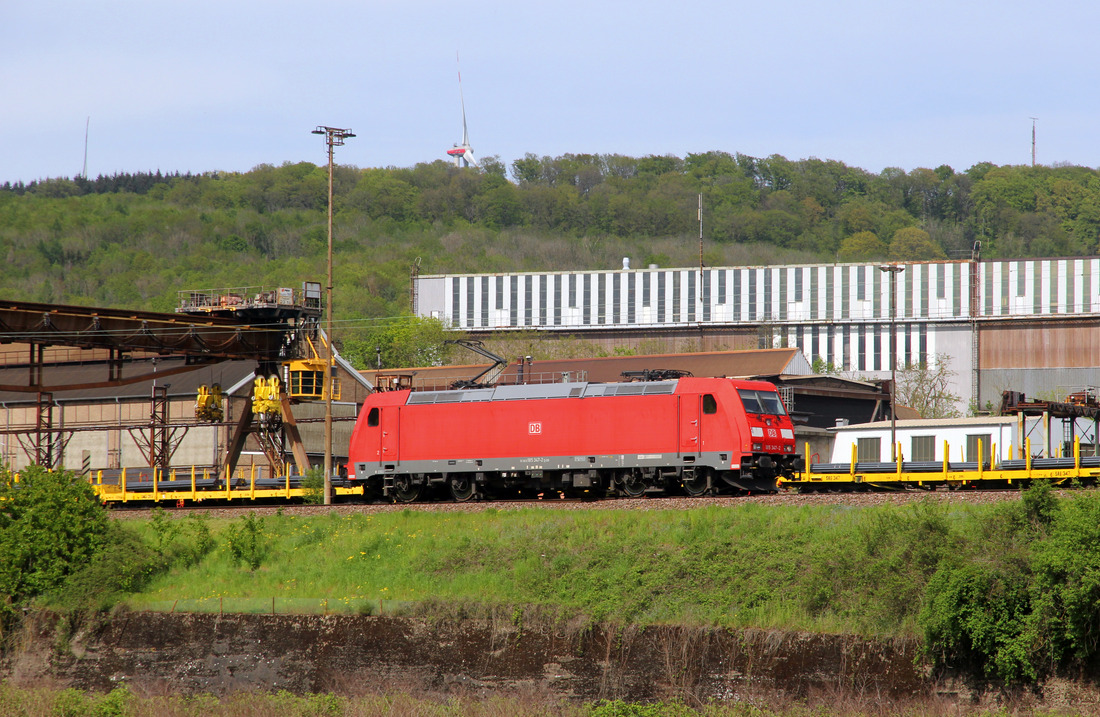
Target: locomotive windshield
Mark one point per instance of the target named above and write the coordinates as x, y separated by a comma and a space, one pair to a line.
765, 402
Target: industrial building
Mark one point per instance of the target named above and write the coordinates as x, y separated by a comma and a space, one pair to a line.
1029, 325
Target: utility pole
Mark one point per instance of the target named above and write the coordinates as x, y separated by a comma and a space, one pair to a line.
893, 270
699, 289
334, 137
700, 236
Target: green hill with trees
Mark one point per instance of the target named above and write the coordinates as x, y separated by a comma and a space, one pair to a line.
134, 240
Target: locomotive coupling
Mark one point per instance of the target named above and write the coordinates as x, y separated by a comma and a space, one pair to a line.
764, 467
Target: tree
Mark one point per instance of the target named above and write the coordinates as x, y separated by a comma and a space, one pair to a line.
825, 368
493, 165
51, 524
527, 170
406, 342
913, 244
862, 246
381, 194
926, 388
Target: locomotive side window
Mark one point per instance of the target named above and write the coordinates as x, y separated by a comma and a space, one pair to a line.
709, 404
372, 417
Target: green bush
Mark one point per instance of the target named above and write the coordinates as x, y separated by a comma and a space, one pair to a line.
976, 621
122, 566
619, 708
313, 486
113, 704
246, 541
50, 525
127, 562
1019, 600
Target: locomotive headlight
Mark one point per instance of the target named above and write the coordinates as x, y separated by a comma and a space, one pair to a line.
788, 449
756, 431
787, 433
757, 446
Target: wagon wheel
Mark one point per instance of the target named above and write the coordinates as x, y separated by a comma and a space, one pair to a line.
632, 483
695, 481
462, 487
404, 491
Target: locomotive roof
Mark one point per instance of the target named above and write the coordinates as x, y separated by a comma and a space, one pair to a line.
526, 392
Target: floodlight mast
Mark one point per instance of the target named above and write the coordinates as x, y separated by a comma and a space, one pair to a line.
893, 270
334, 137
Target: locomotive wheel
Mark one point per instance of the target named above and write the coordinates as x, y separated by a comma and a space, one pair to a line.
695, 482
462, 487
404, 491
633, 484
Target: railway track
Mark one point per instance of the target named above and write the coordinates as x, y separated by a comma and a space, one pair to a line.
786, 498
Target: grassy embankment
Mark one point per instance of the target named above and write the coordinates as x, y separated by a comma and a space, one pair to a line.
1006, 593
831, 569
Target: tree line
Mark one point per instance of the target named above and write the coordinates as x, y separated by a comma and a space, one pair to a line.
136, 239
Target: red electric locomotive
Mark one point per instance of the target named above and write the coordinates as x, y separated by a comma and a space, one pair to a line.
701, 435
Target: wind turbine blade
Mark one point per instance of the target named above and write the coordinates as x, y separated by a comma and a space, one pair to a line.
462, 100
465, 134
463, 153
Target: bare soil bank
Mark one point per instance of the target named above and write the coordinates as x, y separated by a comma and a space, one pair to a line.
159, 653
191, 653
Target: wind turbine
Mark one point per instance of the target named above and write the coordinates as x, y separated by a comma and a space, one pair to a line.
463, 153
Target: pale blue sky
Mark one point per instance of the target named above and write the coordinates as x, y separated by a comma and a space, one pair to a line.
200, 85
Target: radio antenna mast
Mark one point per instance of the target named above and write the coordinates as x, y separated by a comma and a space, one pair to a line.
84, 172
1033, 119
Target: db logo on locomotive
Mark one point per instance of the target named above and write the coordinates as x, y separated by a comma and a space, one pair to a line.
534, 428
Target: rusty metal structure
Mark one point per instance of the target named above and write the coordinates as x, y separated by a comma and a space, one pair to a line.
1082, 405
271, 327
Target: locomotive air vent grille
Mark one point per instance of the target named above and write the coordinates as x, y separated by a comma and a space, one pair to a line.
437, 397
534, 391
632, 389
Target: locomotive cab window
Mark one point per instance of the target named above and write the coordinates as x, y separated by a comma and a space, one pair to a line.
372, 417
762, 402
709, 404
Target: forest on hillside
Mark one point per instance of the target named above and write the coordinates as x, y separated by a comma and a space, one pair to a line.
134, 240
